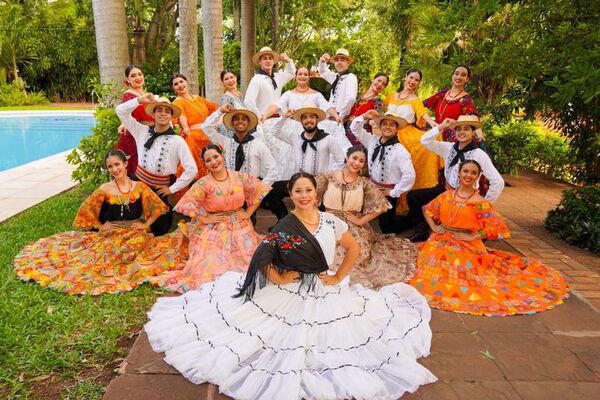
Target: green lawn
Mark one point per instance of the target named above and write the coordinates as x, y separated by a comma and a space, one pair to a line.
48, 336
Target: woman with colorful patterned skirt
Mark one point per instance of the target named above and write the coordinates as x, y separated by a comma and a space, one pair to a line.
455, 270
356, 200
220, 236
118, 216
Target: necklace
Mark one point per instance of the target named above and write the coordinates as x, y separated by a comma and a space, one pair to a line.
443, 105
220, 180
302, 91
399, 95
366, 97
227, 191
307, 222
456, 206
346, 180
122, 202
449, 94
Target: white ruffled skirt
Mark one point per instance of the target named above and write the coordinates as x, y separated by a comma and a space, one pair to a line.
332, 343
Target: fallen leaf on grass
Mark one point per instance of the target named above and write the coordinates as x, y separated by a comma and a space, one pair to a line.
22, 377
40, 378
50, 310
487, 354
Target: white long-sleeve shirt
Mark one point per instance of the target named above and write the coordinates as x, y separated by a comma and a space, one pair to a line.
329, 152
258, 159
395, 168
296, 101
261, 93
346, 91
166, 153
447, 152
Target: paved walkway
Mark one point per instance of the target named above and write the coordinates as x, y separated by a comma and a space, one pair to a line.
550, 355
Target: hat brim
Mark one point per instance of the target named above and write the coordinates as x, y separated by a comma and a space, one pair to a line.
228, 119
309, 110
149, 108
399, 120
349, 58
476, 124
256, 57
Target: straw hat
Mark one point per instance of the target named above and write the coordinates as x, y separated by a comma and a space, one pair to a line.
389, 115
471, 120
265, 50
163, 101
309, 109
341, 52
252, 118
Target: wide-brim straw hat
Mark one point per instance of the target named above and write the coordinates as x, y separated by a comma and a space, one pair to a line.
389, 115
309, 110
252, 118
341, 52
163, 101
471, 120
265, 50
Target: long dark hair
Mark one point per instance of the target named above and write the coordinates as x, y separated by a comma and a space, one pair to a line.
130, 67
299, 175
355, 149
408, 72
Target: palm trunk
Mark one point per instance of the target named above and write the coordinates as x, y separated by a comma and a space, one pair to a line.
212, 39
248, 41
188, 43
275, 24
237, 29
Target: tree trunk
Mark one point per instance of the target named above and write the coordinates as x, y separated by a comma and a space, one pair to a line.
188, 42
248, 40
275, 24
212, 40
237, 29
112, 44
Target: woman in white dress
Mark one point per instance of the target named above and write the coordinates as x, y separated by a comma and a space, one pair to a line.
289, 328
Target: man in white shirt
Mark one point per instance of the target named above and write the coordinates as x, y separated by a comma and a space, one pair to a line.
243, 151
265, 86
314, 150
160, 150
453, 155
390, 165
344, 84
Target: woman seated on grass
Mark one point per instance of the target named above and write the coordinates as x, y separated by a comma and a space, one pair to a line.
117, 216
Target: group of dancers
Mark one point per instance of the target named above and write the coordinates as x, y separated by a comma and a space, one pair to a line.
323, 306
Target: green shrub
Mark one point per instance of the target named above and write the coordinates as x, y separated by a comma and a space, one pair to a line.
11, 95
89, 154
576, 220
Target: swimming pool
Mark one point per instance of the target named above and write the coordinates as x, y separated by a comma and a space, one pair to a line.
31, 135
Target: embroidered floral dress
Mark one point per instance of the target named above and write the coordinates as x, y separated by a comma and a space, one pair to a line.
444, 108
302, 340
196, 111
198, 253
95, 262
383, 259
465, 276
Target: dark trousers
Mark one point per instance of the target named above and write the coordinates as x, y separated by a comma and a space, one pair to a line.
163, 223
416, 200
389, 222
274, 200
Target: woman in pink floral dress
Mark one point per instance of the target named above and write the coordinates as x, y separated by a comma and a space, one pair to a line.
220, 236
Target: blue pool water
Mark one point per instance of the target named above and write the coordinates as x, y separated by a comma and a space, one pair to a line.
30, 136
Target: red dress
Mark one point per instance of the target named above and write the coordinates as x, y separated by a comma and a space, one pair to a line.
126, 141
358, 109
450, 109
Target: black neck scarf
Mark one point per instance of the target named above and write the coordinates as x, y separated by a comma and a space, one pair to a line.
289, 247
272, 76
337, 80
154, 135
460, 153
240, 157
380, 148
320, 134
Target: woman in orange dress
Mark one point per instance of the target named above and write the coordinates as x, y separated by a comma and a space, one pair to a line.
456, 272
194, 111
134, 79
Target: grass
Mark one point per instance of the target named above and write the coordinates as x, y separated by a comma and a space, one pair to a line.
47, 336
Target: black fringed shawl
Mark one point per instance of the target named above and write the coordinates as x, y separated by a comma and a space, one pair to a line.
289, 247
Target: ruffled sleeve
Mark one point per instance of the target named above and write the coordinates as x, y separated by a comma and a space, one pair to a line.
254, 189
322, 183
339, 226
212, 107
419, 110
192, 204
433, 207
151, 203
179, 102
432, 101
88, 216
492, 225
374, 200
467, 107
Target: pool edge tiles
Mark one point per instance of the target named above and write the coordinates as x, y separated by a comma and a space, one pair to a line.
26, 185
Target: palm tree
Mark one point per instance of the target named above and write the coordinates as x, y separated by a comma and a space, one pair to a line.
188, 42
112, 44
248, 40
212, 39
